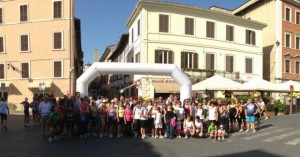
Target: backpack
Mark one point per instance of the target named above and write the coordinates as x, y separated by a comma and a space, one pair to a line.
172, 122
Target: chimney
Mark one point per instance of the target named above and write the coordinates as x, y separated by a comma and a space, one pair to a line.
96, 55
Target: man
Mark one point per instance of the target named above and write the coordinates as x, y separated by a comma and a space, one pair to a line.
258, 112
45, 110
76, 104
99, 100
4, 111
250, 111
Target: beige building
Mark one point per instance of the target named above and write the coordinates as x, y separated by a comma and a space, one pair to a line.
39, 45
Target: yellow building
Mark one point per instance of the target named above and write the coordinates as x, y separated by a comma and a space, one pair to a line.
39, 45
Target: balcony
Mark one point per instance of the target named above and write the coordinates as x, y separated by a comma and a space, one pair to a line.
202, 74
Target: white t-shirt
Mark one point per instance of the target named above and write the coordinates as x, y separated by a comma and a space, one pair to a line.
180, 113
200, 113
137, 113
3, 107
144, 111
158, 118
198, 124
45, 108
212, 113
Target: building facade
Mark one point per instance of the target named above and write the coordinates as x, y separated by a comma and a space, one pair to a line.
281, 45
201, 42
40, 46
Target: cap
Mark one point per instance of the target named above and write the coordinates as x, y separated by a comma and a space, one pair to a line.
104, 101
221, 126
112, 101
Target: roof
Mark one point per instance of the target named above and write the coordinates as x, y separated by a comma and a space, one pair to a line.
120, 46
107, 51
244, 6
143, 3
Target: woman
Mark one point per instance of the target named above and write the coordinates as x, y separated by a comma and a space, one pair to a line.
189, 127
232, 115
94, 119
241, 118
112, 119
53, 124
169, 114
199, 126
84, 110
224, 115
136, 120
102, 109
70, 118
128, 118
120, 118
144, 120
193, 110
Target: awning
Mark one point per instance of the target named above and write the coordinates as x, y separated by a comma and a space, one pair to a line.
166, 88
4, 84
36, 84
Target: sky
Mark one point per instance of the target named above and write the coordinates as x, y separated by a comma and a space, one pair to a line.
104, 21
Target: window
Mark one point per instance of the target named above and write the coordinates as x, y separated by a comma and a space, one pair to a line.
287, 66
57, 9
57, 41
229, 64
1, 44
137, 58
2, 76
57, 69
1, 15
248, 65
24, 43
132, 35
23, 13
210, 29
297, 18
164, 23
297, 67
164, 57
250, 37
297, 42
25, 70
287, 14
189, 60
229, 33
287, 40
210, 61
189, 26
139, 27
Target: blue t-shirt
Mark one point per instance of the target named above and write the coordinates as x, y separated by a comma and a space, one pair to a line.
251, 109
35, 106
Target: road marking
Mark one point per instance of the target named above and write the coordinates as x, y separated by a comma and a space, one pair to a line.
264, 134
261, 130
294, 142
275, 138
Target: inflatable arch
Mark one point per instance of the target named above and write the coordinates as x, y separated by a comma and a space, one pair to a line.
132, 68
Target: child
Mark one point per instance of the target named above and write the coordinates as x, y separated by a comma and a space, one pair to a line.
178, 127
221, 133
212, 130
26, 106
158, 124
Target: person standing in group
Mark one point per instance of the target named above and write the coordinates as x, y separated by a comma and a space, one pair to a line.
26, 106
144, 119
233, 112
213, 112
94, 119
120, 119
53, 123
70, 118
128, 118
169, 114
84, 110
137, 118
76, 103
250, 111
34, 105
112, 119
4, 111
189, 127
158, 124
103, 116
45, 110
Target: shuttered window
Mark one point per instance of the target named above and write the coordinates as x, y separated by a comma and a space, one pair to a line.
229, 64
25, 70
1, 44
287, 14
298, 18
2, 71
287, 66
189, 60
210, 61
24, 39
132, 35
164, 23
229, 33
250, 37
1, 15
248, 65
210, 29
23, 13
57, 9
287, 40
189, 26
297, 43
137, 58
57, 40
164, 57
297, 67
139, 27
57, 69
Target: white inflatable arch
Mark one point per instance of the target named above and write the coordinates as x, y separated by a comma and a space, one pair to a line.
132, 68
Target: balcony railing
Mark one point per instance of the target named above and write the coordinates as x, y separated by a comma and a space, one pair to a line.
204, 73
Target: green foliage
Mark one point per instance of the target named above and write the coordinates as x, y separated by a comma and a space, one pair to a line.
269, 107
243, 97
279, 106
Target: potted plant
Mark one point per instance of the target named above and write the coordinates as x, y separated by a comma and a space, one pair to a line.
269, 112
280, 108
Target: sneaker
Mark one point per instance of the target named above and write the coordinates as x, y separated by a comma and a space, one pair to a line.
247, 130
50, 139
165, 136
161, 137
111, 135
254, 131
241, 130
186, 137
100, 135
179, 136
153, 136
156, 136
143, 136
219, 138
118, 136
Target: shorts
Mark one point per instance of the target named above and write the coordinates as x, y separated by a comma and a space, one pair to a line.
3, 116
137, 125
44, 120
121, 121
158, 125
102, 121
112, 121
250, 119
34, 112
26, 113
144, 123
151, 123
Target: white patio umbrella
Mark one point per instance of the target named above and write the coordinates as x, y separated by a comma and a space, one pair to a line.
259, 84
287, 85
217, 83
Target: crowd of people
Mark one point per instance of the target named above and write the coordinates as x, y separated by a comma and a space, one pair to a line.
139, 117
